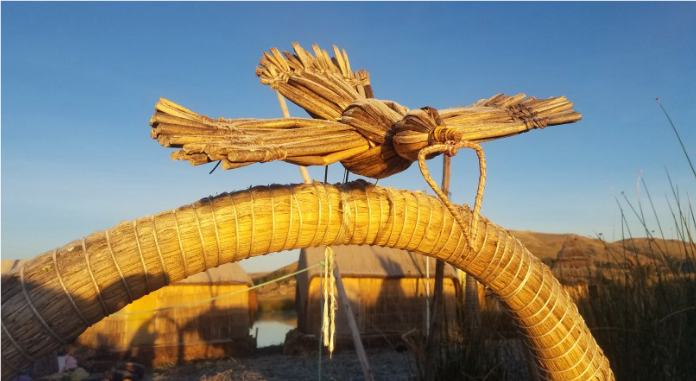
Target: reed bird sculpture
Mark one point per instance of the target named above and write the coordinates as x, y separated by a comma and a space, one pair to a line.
370, 137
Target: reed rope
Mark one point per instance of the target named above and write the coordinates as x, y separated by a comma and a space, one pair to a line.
546, 314
118, 267
94, 281
136, 235
43, 322
328, 324
65, 290
200, 236
181, 246
451, 149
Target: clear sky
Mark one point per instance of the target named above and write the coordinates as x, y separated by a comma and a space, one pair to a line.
79, 82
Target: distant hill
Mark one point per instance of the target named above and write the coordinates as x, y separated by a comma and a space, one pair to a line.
643, 250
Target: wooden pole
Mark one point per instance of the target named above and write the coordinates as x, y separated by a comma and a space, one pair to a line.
354, 332
286, 114
434, 342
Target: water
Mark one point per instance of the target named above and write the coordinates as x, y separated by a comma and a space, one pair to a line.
272, 328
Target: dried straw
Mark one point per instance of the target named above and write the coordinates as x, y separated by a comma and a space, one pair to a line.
370, 137
231, 227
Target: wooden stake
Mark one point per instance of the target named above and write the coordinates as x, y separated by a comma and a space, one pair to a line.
354, 332
433, 343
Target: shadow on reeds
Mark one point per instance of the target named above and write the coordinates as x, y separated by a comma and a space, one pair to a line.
164, 338
174, 336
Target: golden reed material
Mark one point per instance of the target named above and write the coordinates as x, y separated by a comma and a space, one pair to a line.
57, 295
371, 137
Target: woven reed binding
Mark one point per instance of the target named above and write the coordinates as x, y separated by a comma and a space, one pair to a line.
140, 255
181, 245
157, 245
215, 224
34, 310
65, 289
563, 355
118, 268
94, 280
21, 351
200, 235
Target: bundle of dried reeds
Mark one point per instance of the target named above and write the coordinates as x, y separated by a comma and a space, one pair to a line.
371, 137
55, 296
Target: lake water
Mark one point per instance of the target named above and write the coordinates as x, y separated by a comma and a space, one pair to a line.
273, 328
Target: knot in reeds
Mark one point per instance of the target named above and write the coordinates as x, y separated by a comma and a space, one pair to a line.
395, 134
421, 128
527, 115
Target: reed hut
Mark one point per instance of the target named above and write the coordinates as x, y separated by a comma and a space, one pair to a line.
387, 289
205, 316
573, 268
573, 264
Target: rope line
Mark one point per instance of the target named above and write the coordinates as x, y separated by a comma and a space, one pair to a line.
319, 207
253, 224
181, 245
403, 226
410, 240
140, 254
355, 221
16, 344
217, 235
299, 214
200, 235
328, 326
451, 149
34, 310
328, 203
487, 271
439, 234
65, 289
517, 272
427, 226
236, 225
94, 280
273, 222
157, 245
522, 284
369, 214
285, 243
118, 268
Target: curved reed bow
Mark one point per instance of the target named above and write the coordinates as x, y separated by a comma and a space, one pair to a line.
39, 305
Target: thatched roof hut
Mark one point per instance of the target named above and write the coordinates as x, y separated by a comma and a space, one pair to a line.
573, 263
386, 288
205, 316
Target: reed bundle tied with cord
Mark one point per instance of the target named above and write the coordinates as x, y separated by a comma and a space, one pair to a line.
371, 137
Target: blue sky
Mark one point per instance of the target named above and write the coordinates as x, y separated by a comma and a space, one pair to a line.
79, 82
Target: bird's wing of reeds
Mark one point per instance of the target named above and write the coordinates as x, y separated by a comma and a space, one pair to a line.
503, 115
240, 142
323, 86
